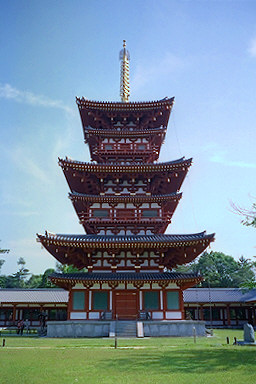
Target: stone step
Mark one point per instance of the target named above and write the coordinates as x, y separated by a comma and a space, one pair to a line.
126, 328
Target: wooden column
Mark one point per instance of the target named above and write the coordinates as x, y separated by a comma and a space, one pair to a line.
69, 304
182, 304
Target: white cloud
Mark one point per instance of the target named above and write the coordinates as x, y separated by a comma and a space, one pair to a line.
27, 97
252, 47
144, 73
26, 164
218, 158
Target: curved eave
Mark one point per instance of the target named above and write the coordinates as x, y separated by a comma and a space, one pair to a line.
125, 242
132, 168
81, 250
143, 199
83, 103
169, 277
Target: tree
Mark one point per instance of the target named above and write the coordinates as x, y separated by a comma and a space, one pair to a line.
248, 215
249, 219
45, 282
1, 260
64, 268
220, 270
18, 279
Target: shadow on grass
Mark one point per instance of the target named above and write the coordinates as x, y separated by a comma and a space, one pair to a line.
184, 361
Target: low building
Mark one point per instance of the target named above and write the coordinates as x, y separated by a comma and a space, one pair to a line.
218, 307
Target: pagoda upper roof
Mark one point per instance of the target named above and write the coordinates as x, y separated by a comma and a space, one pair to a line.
165, 103
124, 132
130, 198
134, 241
125, 168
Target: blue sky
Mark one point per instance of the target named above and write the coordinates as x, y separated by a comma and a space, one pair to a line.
201, 52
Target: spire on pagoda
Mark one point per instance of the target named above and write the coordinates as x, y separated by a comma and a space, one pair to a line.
124, 57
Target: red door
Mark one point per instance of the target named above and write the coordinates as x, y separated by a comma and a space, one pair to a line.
126, 305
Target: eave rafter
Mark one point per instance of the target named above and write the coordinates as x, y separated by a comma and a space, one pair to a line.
80, 197
162, 178
103, 115
113, 279
104, 169
176, 249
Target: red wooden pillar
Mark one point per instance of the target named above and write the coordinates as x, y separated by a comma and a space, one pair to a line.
182, 305
164, 303
69, 308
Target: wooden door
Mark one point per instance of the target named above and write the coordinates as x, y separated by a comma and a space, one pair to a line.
126, 305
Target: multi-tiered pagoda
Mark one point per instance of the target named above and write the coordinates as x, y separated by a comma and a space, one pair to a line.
125, 201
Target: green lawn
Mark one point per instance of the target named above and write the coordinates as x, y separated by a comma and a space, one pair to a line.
155, 360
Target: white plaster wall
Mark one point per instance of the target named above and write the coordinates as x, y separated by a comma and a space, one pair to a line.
78, 315
172, 285
105, 286
176, 315
95, 205
157, 315
155, 286
79, 286
94, 315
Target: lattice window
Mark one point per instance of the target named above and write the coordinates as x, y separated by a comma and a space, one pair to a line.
172, 300
100, 300
151, 300
78, 300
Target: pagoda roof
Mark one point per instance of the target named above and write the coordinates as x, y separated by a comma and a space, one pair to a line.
125, 168
165, 103
130, 198
126, 277
133, 241
124, 132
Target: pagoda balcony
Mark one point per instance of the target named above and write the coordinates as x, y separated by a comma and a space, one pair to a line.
124, 217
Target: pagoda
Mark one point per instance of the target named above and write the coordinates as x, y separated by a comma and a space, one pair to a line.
125, 199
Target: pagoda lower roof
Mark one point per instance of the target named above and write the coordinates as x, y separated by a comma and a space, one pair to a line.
126, 276
126, 168
125, 198
134, 241
120, 106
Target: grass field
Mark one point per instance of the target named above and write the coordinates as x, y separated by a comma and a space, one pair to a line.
151, 361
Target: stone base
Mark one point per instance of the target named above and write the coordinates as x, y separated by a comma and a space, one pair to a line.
246, 343
87, 328
181, 328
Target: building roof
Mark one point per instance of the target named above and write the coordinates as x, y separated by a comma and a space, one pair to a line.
149, 240
125, 198
125, 132
119, 106
124, 168
219, 295
191, 295
126, 276
163, 279
33, 296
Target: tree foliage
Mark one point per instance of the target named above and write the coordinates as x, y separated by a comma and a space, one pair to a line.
220, 270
